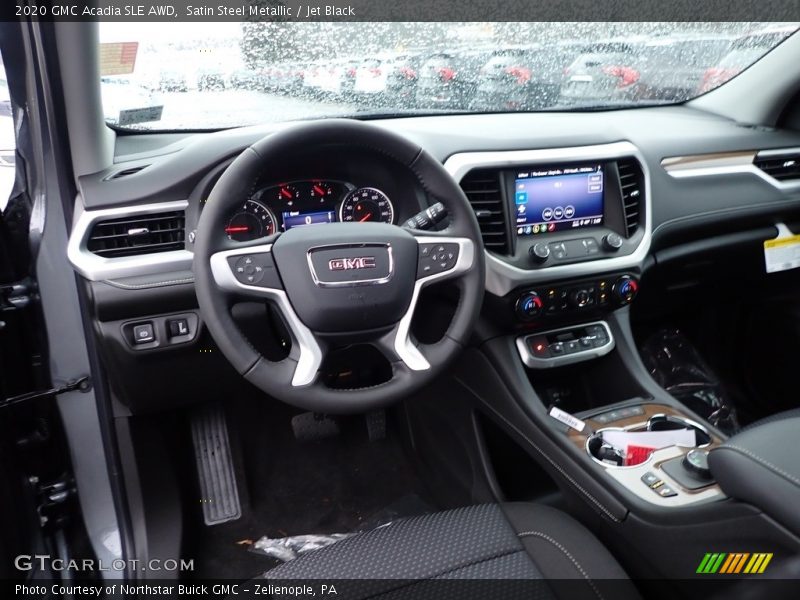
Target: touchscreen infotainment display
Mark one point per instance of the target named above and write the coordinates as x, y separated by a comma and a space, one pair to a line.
555, 199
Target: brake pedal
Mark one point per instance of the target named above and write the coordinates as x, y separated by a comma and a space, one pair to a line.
219, 493
310, 427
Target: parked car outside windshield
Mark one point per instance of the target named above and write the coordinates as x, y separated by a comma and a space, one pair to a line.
233, 74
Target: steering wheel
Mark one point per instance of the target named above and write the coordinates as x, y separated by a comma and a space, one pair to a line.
339, 283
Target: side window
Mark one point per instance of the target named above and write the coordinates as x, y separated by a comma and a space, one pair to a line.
7, 141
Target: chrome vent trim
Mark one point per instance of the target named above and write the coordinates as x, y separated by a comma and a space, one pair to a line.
483, 190
631, 181
732, 163
134, 235
502, 277
99, 268
126, 172
783, 167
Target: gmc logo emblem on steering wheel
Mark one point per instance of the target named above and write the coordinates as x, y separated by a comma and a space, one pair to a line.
347, 264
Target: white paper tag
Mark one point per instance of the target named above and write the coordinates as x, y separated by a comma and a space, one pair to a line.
783, 252
567, 419
651, 439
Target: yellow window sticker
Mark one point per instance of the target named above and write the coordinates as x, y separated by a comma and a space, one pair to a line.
783, 252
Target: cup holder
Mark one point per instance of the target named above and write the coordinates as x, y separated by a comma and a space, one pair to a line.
605, 455
667, 422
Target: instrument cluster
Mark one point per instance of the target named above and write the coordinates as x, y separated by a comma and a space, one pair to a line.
304, 203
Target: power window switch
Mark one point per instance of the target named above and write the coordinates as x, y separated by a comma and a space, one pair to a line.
178, 327
143, 333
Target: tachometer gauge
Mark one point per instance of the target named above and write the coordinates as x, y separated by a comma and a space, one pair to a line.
366, 205
253, 221
287, 194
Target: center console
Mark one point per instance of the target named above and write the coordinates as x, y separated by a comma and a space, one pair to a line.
557, 371
673, 476
566, 232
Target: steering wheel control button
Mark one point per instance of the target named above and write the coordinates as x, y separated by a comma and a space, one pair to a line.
143, 333
247, 271
255, 269
436, 258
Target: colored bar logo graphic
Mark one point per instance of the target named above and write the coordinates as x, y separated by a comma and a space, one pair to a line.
734, 563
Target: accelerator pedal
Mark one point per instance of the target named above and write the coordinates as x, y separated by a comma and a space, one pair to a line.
310, 427
376, 425
219, 493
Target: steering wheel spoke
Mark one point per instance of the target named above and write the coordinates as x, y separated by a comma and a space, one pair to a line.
249, 273
439, 258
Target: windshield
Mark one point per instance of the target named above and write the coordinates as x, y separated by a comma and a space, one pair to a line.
159, 76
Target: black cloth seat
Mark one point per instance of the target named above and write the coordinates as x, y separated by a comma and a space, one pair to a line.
537, 551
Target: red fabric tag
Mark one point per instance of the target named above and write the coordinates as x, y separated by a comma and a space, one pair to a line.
637, 454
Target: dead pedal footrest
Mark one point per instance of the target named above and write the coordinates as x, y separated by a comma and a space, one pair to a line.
219, 494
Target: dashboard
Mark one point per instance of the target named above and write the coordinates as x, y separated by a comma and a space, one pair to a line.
673, 182
692, 170
275, 208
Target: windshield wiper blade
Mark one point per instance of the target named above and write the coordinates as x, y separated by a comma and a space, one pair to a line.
412, 112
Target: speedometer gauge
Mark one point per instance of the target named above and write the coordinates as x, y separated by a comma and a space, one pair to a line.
253, 221
366, 205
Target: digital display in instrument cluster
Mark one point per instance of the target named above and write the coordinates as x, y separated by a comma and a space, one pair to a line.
281, 207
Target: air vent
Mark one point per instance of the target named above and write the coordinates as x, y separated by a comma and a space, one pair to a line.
631, 179
141, 234
482, 188
126, 172
784, 167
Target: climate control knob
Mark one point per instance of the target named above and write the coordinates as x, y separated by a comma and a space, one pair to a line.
626, 288
529, 306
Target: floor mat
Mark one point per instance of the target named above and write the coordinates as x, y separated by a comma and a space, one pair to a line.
336, 485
